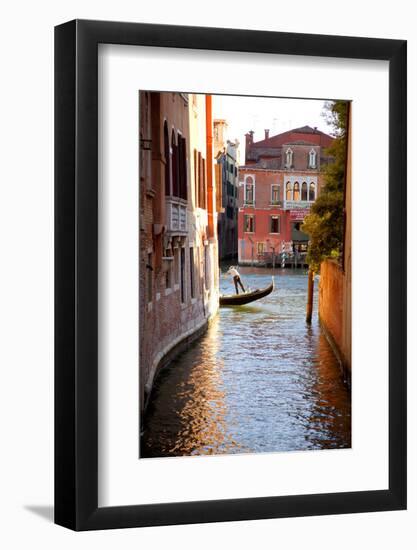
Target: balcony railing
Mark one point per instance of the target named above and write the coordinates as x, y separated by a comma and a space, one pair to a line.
294, 205
176, 215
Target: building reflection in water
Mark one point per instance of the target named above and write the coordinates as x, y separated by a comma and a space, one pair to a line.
330, 421
259, 380
194, 423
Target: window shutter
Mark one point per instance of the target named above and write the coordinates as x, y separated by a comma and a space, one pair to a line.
204, 185
184, 168
195, 178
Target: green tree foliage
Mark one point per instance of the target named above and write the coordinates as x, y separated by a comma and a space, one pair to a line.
324, 224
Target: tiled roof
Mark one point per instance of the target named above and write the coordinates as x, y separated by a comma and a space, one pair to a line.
306, 130
298, 142
311, 136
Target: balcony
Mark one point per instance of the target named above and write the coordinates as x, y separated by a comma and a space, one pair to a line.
176, 216
296, 205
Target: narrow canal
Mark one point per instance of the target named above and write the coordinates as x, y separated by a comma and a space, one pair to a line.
259, 380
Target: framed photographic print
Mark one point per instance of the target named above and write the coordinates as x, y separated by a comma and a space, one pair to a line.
230, 275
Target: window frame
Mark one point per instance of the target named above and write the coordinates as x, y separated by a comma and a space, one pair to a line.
246, 217
278, 200
278, 218
253, 184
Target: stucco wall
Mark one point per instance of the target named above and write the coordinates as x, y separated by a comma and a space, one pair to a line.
334, 310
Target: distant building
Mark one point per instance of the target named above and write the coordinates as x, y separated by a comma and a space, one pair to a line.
178, 227
226, 154
281, 178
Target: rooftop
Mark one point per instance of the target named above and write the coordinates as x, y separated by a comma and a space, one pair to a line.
305, 135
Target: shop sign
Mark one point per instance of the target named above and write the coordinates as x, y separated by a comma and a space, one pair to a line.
299, 214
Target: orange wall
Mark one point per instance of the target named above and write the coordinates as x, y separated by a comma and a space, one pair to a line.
331, 299
334, 309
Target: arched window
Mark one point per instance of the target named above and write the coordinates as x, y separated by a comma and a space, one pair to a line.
175, 165
296, 193
312, 192
288, 158
288, 191
167, 161
249, 190
304, 191
312, 158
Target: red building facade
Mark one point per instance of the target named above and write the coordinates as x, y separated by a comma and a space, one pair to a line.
279, 182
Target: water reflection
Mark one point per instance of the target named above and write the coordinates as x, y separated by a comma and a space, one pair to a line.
259, 380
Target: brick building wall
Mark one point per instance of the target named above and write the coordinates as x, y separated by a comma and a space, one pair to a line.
178, 267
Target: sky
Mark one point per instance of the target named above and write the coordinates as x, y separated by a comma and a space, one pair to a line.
244, 113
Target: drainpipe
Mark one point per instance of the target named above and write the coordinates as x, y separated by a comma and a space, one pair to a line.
209, 166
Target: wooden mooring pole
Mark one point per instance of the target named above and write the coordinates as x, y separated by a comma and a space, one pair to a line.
310, 290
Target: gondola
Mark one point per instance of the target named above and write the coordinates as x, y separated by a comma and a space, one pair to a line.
246, 297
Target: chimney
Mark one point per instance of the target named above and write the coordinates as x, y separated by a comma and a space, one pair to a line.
266, 134
248, 143
249, 138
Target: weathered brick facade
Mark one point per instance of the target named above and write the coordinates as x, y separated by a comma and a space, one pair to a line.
281, 178
178, 238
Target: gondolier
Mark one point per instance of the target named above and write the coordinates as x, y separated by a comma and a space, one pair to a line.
236, 278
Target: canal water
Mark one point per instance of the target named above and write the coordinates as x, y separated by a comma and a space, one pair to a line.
259, 380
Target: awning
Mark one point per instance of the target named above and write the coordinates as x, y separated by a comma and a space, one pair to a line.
299, 236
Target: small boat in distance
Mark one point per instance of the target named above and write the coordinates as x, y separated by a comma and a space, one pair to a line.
246, 297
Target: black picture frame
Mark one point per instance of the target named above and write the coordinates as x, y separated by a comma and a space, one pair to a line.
76, 272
